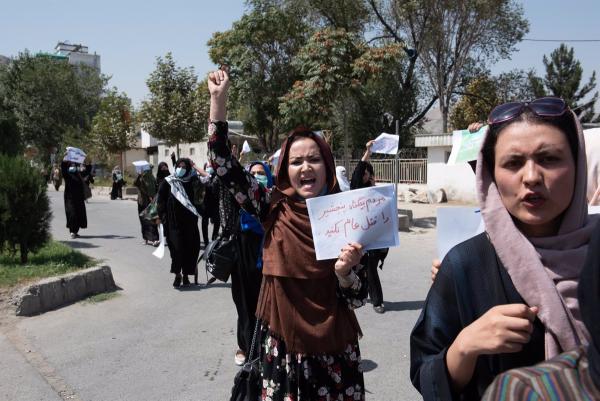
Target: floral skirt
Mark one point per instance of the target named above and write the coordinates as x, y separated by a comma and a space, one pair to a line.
301, 377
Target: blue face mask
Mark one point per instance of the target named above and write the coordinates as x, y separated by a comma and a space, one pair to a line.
72, 169
262, 180
210, 170
180, 172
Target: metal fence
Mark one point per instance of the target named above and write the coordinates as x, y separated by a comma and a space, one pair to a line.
404, 171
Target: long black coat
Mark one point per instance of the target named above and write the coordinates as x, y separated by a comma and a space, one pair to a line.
470, 281
74, 199
181, 229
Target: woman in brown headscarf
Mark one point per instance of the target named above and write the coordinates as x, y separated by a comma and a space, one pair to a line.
309, 332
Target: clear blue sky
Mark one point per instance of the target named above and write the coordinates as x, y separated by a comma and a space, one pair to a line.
130, 34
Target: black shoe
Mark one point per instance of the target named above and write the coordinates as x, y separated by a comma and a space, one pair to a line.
177, 282
211, 280
186, 280
379, 308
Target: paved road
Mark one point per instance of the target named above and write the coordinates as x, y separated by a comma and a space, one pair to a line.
153, 342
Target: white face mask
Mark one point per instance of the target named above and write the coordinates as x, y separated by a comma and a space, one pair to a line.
72, 169
180, 172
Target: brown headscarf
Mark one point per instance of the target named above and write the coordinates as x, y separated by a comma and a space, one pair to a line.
298, 298
545, 270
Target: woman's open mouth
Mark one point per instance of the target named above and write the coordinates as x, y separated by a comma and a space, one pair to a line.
533, 200
307, 182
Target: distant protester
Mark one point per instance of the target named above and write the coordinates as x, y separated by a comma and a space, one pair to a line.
179, 216
147, 189
118, 183
74, 197
340, 172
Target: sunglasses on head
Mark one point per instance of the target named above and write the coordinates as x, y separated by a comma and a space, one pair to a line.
542, 107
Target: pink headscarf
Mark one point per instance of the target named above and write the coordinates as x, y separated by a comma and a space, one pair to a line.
545, 271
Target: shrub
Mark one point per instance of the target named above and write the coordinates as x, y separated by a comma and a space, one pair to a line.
24, 207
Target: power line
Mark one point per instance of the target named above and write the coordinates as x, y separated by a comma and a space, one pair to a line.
561, 40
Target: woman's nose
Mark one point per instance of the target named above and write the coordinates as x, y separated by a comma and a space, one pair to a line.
532, 174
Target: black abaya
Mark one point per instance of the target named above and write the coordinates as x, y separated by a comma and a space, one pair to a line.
181, 229
74, 199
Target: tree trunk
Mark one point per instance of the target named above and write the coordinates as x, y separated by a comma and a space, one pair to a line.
24, 251
177, 147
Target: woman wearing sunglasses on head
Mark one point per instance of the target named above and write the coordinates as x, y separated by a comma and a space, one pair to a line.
507, 298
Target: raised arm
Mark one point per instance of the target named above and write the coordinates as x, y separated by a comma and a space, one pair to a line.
241, 184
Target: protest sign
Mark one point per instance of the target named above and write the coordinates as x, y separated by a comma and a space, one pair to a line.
385, 143
368, 216
466, 145
75, 155
141, 165
246, 148
593, 209
160, 251
455, 225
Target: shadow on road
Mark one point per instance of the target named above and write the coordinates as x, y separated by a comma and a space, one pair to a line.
368, 365
425, 222
78, 244
201, 287
109, 236
398, 306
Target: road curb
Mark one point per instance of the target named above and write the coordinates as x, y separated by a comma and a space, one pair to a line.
55, 292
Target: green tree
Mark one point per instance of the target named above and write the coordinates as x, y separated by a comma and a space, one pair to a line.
564, 79
336, 69
173, 111
259, 49
48, 97
448, 36
113, 128
24, 207
485, 92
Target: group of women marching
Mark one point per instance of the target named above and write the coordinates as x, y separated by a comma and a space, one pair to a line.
524, 294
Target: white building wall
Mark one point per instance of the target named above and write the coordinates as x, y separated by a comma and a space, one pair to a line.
197, 151
458, 181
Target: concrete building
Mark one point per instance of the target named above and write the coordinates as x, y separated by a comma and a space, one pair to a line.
158, 151
458, 181
4, 60
77, 54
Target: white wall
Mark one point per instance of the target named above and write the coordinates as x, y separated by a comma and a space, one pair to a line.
458, 181
199, 156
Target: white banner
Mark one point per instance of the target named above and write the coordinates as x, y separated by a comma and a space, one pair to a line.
386, 144
368, 216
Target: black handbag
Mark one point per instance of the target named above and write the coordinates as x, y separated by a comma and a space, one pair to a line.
221, 256
247, 382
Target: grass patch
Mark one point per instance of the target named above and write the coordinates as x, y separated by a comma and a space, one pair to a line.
52, 260
105, 296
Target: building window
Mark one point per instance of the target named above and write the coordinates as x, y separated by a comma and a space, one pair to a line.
167, 152
192, 151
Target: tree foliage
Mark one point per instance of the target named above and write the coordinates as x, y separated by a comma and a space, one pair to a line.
564, 79
259, 49
24, 207
485, 92
113, 127
448, 36
173, 111
48, 97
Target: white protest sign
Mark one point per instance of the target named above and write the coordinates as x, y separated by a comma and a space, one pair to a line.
368, 216
246, 147
141, 165
160, 251
455, 225
75, 155
275, 157
385, 143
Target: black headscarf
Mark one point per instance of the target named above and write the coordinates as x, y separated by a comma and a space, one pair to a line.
188, 168
589, 302
160, 174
